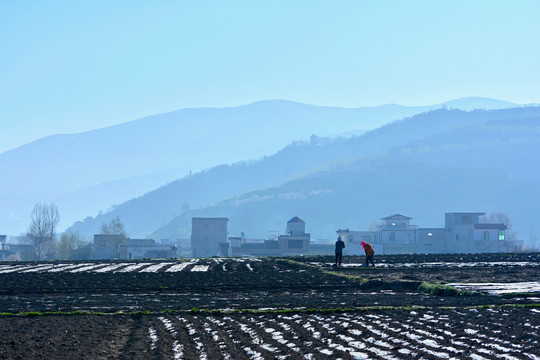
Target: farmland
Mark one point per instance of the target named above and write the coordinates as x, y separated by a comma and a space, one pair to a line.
298, 308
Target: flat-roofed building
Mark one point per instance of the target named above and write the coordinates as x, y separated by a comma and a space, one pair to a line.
206, 235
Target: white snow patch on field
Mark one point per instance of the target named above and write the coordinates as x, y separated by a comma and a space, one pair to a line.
133, 268
500, 288
181, 266
153, 337
64, 267
438, 264
87, 268
177, 348
155, 267
253, 354
200, 268
14, 268
110, 268
249, 267
38, 268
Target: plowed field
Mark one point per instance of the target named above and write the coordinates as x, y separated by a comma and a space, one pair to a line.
297, 308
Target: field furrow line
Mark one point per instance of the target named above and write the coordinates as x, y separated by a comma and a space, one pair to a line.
431, 338
176, 348
490, 339
110, 268
339, 344
256, 345
87, 268
132, 268
155, 267
222, 337
244, 340
14, 268
287, 336
66, 267
181, 266
38, 268
200, 268
195, 333
417, 341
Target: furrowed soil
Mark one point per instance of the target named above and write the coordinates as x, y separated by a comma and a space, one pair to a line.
301, 307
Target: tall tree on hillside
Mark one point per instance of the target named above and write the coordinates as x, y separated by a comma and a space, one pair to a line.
114, 227
42, 230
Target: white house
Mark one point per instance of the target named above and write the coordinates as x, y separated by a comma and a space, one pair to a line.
463, 233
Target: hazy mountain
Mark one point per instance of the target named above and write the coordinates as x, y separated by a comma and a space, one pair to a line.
399, 162
83, 173
475, 102
477, 167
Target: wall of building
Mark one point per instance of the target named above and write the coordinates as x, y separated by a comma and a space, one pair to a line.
206, 234
107, 246
294, 244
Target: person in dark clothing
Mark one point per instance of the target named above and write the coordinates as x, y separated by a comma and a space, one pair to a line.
339, 251
368, 249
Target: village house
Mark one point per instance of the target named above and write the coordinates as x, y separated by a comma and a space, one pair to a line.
209, 238
463, 233
120, 247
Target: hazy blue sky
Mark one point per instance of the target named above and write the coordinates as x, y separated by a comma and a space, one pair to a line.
69, 66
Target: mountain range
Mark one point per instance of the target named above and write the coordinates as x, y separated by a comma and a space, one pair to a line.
94, 171
421, 166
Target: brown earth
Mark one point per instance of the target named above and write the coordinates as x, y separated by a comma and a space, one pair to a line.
277, 284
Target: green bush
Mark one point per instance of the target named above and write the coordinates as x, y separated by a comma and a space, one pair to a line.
442, 290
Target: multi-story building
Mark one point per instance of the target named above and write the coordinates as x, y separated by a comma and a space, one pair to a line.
120, 247
295, 242
107, 246
463, 233
206, 236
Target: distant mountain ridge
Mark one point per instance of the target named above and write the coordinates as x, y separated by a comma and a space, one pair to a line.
97, 169
256, 196
483, 165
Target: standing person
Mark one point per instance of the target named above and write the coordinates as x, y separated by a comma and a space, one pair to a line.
368, 249
339, 251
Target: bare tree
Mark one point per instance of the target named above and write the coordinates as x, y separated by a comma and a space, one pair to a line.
114, 227
42, 230
502, 218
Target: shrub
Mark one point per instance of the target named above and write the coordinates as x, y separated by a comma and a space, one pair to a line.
442, 290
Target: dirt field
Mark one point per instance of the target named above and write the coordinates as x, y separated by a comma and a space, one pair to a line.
297, 308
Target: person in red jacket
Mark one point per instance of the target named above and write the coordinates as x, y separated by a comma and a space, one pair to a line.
368, 249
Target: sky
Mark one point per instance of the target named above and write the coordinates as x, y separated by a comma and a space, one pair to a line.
71, 66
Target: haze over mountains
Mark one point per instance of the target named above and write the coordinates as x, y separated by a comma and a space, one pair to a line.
85, 172
422, 166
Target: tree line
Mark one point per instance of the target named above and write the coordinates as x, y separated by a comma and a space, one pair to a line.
43, 243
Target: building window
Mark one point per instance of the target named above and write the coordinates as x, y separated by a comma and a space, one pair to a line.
486, 235
407, 238
350, 239
392, 237
501, 234
296, 244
